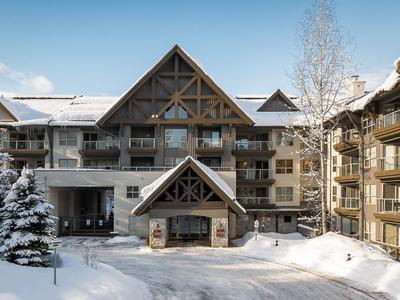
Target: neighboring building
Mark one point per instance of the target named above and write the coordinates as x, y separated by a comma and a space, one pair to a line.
364, 170
173, 158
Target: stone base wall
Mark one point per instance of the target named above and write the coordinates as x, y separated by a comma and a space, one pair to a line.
219, 232
157, 233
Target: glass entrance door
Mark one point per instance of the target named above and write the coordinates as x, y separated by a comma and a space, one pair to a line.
189, 228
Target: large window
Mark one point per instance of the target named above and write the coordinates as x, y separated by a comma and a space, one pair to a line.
284, 194
370, 157
176, 138
370, 193
68, 138
334, 193
334, 163
349, 226
173, 161
284, 166
67, 163
132, 192
284, 139
367, 124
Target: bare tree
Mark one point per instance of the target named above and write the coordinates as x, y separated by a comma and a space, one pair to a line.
322, 68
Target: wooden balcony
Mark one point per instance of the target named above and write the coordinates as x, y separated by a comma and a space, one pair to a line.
255, 202
388, 210
142, 146
254, 177
20, 148
347, 141
251, 149
100, 149
388, 169
209, 146
388, 127
348, 174
348, 207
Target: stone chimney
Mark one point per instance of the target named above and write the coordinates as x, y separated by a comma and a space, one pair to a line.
356, 87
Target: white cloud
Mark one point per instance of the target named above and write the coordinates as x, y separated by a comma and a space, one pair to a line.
37, 83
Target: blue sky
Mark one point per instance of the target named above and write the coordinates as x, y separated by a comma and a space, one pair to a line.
102, 47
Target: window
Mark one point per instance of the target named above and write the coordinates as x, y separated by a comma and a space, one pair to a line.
367, 124
173, 161
334, 193
334, 163
284, 166
170, 113
370, 157
370, 193
284, 139
68, 138
67, 163
211, 162
132, 192
287, 219
176, 138
284, 194
100, 163
370, 230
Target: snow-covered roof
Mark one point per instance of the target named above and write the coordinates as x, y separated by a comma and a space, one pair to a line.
152, 188
391, 82
57, 110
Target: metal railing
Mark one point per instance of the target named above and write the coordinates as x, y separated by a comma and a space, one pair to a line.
208, 143
105, 167
89, 223
251, 174
349, 169
146, 168
346, 136
177, 142
142, 142
349, 202
388, 205
24, 145
253, 201
392, 118
389, 163
101, 145
254, 145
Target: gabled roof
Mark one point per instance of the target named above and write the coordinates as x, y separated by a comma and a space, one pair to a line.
196, 66
290, 105
216, 183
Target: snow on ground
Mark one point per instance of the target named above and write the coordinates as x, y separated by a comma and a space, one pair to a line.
370, 267
130, 240
75, 280
213, 273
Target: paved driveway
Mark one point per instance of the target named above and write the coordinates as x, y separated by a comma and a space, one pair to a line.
206, 273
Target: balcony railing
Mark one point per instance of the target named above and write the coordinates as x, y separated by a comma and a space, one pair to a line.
105, 167
392, 118
351, 203
101, 145
387, 205
146, 168
349, 170
253, 174
209, 143
23, 145
142, 142
346, 136
254, 145
389, 163
176, 142
253, 201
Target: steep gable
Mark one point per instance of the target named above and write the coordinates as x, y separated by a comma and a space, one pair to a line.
278, 101
175, 91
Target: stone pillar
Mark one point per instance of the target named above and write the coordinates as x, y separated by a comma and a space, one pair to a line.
158, 233
219, 232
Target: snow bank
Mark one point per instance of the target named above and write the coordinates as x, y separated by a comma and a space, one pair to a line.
131, 240
75, 280
370, 267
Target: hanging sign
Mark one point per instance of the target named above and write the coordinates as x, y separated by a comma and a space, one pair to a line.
157, 231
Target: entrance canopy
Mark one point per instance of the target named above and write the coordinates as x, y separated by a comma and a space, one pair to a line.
190, 184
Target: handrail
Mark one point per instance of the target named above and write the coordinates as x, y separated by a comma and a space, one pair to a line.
349, 202
389, 163
105, 167
389, 205
253, 200
177, 142
146, 168
209, 143
142, 142
101, 145
245, 174
346, 136
392, 118
24, 144
349, 169
254, 145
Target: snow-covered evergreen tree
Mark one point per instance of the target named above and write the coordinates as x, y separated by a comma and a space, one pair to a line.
28, 222
7, 176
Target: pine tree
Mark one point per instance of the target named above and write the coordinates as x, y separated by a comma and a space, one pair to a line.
28, 223
7, 177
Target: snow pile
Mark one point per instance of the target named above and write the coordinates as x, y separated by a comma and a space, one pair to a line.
370, 267
130, 240
75, 280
